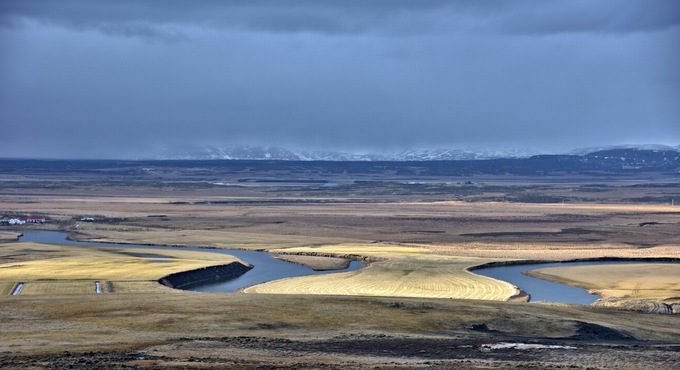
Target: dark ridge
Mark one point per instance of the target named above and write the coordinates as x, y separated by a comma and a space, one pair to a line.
568, 231
184, 279
597, 259
594, 332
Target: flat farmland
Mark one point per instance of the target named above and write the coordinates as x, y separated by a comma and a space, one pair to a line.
59, 288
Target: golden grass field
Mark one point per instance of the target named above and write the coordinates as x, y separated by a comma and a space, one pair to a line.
649, 281
6, 287
401, 272
59, 288
441, 239
67, 269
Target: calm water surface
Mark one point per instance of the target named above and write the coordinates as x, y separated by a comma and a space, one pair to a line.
543, 290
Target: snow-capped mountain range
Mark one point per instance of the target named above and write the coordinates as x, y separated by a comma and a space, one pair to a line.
276, 153
281, 154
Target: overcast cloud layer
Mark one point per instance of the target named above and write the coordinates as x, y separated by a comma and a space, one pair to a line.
129, 78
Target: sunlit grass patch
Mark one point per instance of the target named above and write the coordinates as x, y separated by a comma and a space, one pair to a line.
649, 280
402, 272
67, 269
6, 287
59, 288
112, 268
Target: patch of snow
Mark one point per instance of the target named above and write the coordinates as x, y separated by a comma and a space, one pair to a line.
521, 346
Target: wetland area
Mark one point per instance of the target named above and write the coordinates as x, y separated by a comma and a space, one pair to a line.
414, 304
268, 267
265, 266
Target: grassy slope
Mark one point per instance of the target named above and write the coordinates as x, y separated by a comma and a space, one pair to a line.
34, 324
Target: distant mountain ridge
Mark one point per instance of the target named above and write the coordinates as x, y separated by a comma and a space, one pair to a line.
624, 157
281, 154
614, 159
281, 165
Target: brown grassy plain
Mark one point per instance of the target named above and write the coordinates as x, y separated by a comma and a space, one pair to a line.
415, 241
225, 330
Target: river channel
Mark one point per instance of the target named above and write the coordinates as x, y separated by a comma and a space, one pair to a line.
541, 290
267, 268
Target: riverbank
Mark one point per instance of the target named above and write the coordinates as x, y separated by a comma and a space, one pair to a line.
66, 269
316, 263
640, 284
9, 236
648, 287
204, 277
588, 259
184, 279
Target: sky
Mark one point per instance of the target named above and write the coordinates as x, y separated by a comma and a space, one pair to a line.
131, 78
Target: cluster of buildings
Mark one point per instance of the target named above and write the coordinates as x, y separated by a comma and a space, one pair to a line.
22, 220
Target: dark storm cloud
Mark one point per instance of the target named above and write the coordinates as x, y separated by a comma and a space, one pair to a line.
350, 16
101, 78
270, 16
594, 17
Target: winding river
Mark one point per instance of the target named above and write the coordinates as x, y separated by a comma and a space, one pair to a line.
267, 268
543, 290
